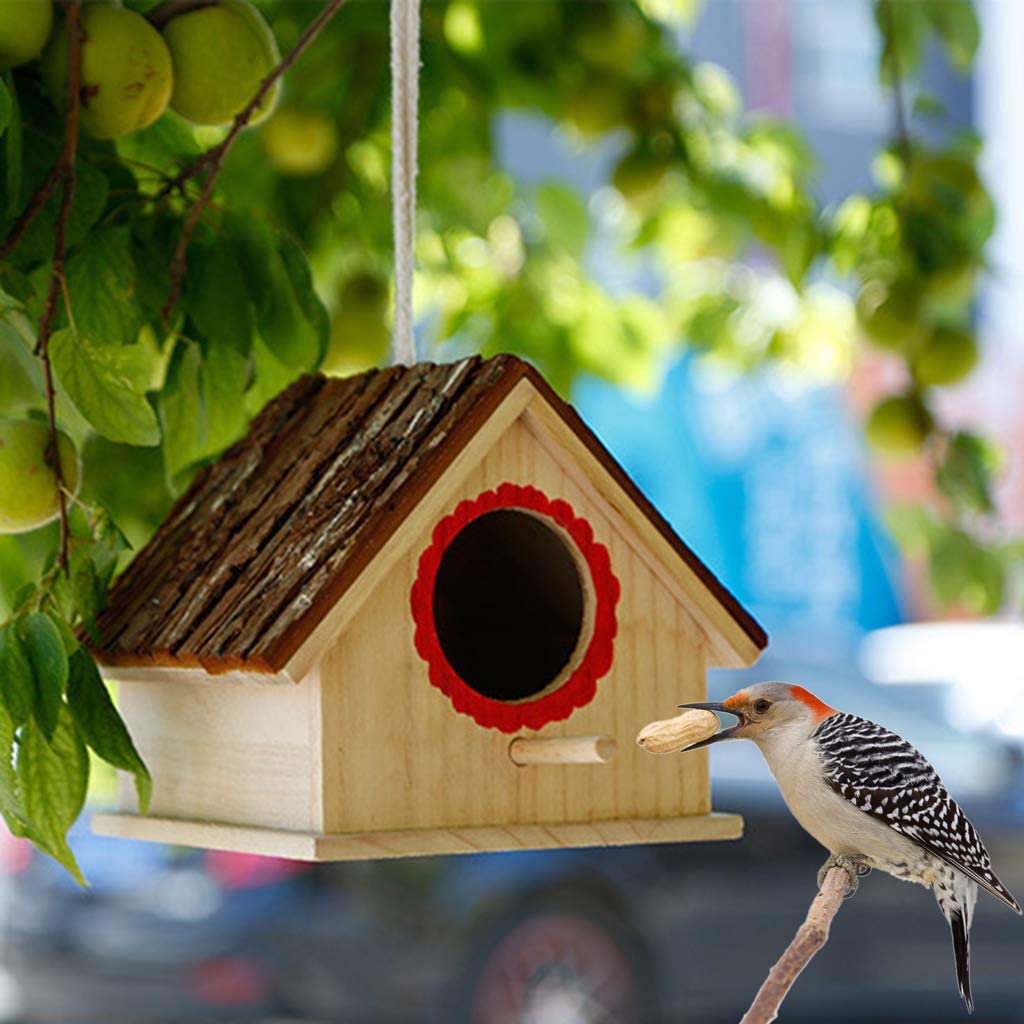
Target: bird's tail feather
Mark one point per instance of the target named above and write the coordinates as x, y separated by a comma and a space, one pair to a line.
962, 954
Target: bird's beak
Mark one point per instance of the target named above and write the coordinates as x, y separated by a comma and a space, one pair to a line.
724, 734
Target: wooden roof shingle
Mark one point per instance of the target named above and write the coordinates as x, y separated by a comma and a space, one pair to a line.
270, 536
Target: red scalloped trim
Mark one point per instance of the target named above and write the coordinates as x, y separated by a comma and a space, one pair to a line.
579, 689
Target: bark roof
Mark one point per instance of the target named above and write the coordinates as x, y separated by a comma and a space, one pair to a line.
270, 536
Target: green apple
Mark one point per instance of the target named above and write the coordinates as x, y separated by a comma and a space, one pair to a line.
891, 315
300, 142
24, 28
596, 106
949, 356
639, 176
612, 36
898, 425
126, 71
28, 486
221, 53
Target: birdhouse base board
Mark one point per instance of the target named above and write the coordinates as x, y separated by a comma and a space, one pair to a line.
417, 842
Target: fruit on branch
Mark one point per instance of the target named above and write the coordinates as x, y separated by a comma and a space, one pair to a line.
948, 357
898, 425
300, 142
596, 106
221, 53
640, 175
24, 28
612, 37
360, 335
126, 71
891, 315
28, 484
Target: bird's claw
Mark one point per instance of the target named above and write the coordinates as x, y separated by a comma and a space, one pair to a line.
854, 866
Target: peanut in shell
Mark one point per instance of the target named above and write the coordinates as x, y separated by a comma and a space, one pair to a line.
672, 734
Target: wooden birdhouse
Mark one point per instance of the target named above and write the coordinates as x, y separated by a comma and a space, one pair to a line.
419, 610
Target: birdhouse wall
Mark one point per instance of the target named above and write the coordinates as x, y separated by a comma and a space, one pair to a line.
397, 755
244, 753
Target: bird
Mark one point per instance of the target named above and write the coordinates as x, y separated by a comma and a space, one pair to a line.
870, 798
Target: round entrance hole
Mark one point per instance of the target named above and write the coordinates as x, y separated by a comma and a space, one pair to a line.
508, 604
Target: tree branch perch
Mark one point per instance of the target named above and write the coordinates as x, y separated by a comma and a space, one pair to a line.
810, 937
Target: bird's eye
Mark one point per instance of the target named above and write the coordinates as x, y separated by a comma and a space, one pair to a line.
762, 705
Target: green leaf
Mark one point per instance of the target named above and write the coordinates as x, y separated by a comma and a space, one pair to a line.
87, 589
181, 411
966, 473
300, 278
44, 649
928, 106
67, 634
798, 248
202, 405
903, 25
11, 805
290, 317
102, 284
295, 325
6, 106
17, 682
54, 776
16, 571
111, 543
102, 727
107, 385
12, 153
156, 149
254, 250
17, 340
40, 150
216, 298
564, 215
956, 24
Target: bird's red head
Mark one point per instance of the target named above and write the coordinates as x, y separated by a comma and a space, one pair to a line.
817, 707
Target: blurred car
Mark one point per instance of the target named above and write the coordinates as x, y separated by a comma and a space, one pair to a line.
163, 935
638, 935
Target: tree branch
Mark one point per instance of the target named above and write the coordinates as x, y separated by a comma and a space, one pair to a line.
63, 174
811, 936
212, 160
899, 99
37, 202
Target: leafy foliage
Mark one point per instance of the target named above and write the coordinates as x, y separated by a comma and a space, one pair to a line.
288, 272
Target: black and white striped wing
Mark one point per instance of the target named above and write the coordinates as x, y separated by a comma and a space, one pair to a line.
884, 776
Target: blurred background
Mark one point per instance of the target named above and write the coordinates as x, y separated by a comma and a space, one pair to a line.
773, 250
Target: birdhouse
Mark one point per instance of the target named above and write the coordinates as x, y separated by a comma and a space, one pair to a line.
418, 610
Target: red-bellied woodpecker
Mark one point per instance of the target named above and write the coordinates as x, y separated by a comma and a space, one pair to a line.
870, 799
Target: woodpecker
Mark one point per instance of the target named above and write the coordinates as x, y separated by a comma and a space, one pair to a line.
870, 799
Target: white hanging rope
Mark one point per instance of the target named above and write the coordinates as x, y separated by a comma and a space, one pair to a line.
405, 68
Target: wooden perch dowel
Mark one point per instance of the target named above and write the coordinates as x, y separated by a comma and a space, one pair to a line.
562, 750
812, 935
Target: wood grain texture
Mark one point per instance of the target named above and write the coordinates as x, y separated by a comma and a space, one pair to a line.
245, 754
733, 641
397, 755
527, 750
412, 842
362, 755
